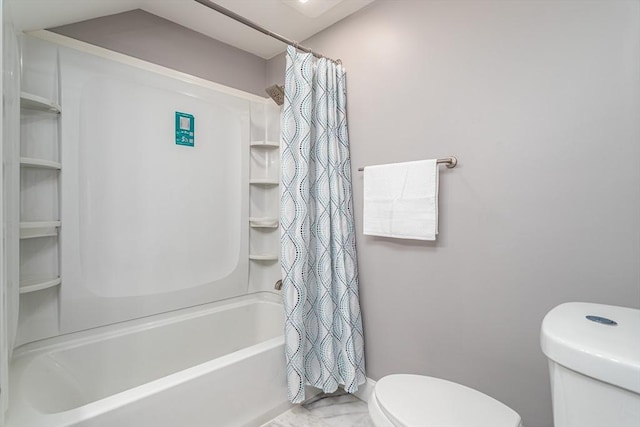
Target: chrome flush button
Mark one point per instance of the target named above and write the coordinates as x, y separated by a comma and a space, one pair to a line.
602, 320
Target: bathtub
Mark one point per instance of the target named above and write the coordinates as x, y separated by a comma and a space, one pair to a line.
220, 364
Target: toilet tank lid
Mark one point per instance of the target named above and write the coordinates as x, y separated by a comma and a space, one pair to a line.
596, 348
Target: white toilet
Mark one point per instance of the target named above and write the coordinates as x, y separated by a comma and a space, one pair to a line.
420, 401
594, 364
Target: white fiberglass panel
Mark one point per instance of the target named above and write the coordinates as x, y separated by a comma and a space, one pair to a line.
148, 225
153, 213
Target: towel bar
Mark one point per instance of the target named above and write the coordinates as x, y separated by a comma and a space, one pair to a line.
450, 162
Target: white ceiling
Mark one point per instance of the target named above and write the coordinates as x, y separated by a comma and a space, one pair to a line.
274, 15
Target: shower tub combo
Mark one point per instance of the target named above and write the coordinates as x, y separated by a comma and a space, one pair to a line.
155, 322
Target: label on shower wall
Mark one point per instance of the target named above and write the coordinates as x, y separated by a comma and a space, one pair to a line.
185, 129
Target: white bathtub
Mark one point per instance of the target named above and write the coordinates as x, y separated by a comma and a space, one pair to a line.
221, 364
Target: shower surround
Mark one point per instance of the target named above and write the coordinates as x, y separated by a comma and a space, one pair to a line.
159, 251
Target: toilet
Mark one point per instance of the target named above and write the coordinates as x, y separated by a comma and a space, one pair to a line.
593, 353
403, 400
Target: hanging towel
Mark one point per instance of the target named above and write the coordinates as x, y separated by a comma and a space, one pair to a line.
401, 200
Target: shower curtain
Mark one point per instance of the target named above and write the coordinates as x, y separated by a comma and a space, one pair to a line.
324, 342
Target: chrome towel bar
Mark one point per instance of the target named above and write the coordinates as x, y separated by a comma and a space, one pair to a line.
450, 162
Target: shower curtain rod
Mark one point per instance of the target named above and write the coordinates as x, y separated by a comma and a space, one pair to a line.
245, 21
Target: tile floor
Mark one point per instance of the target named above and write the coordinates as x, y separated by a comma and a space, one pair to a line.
338, 409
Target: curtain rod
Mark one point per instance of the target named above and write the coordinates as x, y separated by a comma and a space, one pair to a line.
245, 21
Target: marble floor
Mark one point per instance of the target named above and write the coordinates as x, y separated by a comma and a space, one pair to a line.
338, 409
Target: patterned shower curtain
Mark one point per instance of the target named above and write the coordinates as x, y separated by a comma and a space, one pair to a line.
323, 327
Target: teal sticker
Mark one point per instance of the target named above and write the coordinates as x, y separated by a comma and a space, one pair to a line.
185, 129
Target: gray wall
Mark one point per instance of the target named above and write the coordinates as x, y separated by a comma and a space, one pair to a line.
154, 39
540, 103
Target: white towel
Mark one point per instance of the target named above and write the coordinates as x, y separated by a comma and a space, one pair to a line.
401, 200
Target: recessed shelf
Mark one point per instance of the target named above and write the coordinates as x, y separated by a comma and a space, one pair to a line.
265, 144
34, 229
28, 162
264, 222
263, 257
263, 181
37, 285
30, 101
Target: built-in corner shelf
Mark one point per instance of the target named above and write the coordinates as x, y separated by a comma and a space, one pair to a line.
28, 162
263, 257
265, 222
264, 167
28, 286
30, 101
263, 181
265, 144
34, 229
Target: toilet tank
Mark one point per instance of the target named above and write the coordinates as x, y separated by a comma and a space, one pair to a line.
594, 364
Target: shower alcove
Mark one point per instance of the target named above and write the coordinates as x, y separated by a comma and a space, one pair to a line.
117, 221
123, 229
